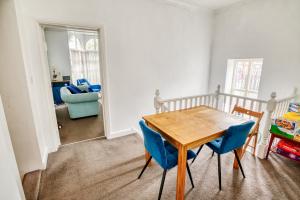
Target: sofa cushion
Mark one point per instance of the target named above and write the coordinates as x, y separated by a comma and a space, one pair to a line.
73, 89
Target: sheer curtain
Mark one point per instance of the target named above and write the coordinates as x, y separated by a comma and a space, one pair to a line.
84, 56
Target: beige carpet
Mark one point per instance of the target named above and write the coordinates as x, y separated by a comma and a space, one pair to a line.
75, 130
108, 169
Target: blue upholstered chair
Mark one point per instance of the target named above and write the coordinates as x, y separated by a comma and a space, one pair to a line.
233, 139
163, 153
92, 88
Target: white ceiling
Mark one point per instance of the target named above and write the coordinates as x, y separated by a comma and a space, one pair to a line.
211, 4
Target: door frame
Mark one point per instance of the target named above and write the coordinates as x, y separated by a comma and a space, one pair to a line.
102, 61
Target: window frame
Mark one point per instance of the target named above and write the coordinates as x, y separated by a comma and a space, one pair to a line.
232, 74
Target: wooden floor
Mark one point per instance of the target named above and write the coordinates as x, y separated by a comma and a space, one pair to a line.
76, 130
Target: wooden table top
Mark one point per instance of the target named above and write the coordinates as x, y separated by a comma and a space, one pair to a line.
192, 127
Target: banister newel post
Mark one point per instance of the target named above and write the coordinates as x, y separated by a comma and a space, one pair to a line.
157, 101
217, 95
262, 146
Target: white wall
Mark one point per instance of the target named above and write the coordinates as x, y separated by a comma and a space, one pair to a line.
41, 101
268, 29
15, 92
148, 45
10, 181
58, 51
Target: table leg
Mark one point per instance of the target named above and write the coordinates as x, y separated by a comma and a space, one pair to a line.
240, 154
270, 144
182, 156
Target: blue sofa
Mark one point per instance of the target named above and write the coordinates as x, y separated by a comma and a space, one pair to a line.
81, 104
92, 88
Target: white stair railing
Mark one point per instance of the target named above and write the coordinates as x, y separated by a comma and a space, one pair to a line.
225, 102
168, 105
228, 101
282, 105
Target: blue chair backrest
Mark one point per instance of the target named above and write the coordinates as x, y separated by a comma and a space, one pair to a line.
236, 136
154, 144
82, 81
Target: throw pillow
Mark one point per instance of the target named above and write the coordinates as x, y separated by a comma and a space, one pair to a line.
73, 89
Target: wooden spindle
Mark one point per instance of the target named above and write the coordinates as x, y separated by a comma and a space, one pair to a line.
230, 103
224, 103
237, 100
169, 106
259, 106
180, 104
244, 102
251, 105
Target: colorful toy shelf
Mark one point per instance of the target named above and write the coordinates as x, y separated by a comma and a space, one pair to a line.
275, 130
287, 129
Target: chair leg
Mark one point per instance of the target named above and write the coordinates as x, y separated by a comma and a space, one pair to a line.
213, 153
246, 145
190, 175
162, 184
255, 142
147, 163
219, 171
239, 162
197, 153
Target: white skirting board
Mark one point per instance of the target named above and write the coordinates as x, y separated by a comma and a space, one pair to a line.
47, 152
45, 160
121, 133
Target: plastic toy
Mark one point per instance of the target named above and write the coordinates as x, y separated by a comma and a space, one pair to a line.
289, 149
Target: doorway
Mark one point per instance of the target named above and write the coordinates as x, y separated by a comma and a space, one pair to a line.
74, 66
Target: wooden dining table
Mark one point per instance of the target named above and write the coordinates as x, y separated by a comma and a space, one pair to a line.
190, 128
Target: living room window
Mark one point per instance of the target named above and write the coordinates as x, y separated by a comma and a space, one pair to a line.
243, 77
84, 56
